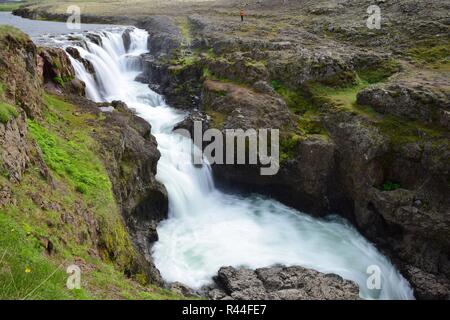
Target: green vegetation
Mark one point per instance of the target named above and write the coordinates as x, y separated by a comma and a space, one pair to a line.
59, 81
380, 72
185, 31
431, 53
6, 30
297, 101
401, 131
49, 226
7, 112
25, 272
75, 160
340, 97
390, 186
288, 145
10, 6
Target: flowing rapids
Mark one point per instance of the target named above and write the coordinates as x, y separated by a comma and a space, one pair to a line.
208, 229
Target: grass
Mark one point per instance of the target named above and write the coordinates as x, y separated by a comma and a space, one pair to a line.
379, 73
25, 273
297, 101
10, 6
341, 97
6, 30
401, 131
64, 213
72, 154
7, 112
430, 53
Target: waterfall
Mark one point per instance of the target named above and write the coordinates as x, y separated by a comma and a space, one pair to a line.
208, 229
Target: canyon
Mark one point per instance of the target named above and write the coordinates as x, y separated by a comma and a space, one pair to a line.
359, 137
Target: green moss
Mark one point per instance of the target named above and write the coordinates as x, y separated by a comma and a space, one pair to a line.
390, 186
431, 53
6, 30
70, 159
74, 158
7, 112
340, 79
380, 72
184, 26
59, 81
217, 118
288, 146
401, 131
297, 101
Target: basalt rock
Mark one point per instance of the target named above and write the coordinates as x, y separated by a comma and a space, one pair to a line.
281, 283
131, 156
127, 39
22, 73
408, 102
86, 63
58, 73
164, 36
15, 148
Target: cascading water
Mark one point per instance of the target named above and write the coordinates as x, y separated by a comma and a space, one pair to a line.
208, 229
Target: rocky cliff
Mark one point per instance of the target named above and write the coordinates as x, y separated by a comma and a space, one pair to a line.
363, 114
360, 135
77, 185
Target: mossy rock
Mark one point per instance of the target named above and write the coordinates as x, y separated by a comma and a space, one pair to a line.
7, 112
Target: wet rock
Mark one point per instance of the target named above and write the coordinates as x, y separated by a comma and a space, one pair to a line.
281, 283
428, 286
95, 38
143, 200
182, 290
86, 63
127, 39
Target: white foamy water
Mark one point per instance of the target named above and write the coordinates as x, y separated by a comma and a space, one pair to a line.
208, 229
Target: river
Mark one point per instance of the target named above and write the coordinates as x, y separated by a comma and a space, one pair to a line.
207, 228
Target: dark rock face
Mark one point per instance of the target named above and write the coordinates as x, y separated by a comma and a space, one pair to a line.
76, 55
127, 39
58, 73
15, 149
407, 102
164, 36
131, 156
244, 108
179, 85
129, 150
281, 283
23, 74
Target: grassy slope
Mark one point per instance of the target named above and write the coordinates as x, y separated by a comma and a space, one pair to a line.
27, 269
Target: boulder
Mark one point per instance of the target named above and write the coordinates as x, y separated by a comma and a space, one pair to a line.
281, 283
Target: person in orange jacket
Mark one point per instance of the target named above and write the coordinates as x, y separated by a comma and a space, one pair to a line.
242, 13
